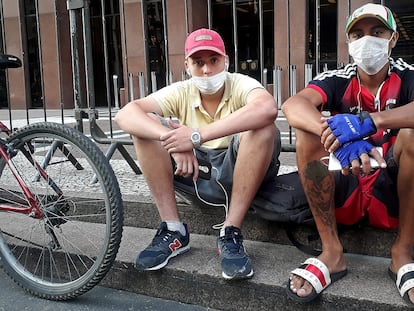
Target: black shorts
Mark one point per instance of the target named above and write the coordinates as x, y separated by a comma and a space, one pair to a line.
372, 197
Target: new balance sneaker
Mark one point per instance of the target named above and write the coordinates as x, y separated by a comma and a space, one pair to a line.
235, 263
165, 245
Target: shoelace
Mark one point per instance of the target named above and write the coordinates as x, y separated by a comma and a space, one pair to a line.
159, 238
234, 246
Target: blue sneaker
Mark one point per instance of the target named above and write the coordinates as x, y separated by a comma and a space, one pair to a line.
165, 245
234, 261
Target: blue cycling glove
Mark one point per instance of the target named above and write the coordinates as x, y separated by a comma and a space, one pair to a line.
352, 151
350, 127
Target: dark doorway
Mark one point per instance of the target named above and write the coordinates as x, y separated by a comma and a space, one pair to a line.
106, 50
250, 44
32, 60
322, 38
154, 13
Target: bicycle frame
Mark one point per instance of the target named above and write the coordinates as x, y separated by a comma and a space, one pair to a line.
33, 210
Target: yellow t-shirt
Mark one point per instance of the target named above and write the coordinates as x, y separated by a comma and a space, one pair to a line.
182, 101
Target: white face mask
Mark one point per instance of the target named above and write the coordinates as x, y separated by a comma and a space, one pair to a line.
370, 53
210, 85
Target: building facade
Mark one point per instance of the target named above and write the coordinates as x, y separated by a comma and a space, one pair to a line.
102, 52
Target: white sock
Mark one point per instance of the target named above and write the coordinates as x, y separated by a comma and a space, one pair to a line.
176, 226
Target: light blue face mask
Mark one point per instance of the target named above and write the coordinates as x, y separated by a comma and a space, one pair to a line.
210, 85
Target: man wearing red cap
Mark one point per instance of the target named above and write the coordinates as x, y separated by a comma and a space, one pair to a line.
226, 132
371, 103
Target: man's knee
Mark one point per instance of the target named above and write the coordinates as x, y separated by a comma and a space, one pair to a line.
308, 145
404, 145
264, 135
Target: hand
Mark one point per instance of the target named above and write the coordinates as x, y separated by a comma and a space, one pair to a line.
186, 164
349, 127
178, 139
354, 153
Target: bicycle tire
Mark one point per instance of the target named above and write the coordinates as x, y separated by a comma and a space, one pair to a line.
70, 249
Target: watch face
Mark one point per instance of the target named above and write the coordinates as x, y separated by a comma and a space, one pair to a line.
195, 137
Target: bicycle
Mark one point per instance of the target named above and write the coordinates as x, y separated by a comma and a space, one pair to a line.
62, 213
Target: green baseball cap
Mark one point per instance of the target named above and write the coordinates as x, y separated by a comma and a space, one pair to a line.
378, 11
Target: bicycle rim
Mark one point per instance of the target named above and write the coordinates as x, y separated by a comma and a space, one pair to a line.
70, 248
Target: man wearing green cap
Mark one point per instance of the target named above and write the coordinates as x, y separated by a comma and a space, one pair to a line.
371, 104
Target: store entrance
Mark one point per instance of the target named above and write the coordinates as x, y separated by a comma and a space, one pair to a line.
250, 42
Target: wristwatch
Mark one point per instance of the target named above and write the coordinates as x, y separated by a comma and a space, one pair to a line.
196, 138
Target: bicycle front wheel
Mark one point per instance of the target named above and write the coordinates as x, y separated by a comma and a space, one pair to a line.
68, 248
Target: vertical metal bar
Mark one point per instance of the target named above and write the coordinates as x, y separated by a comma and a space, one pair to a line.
123, 21
3, 35
292, 92
279, 86
131, 96
39, 44
293, 80
75, 66
209, 14
235, 40
317, 36
154, 80
187, 23
87, 45
106, 58
141, 84
59, 63
144, 18
261, 42
116, 92
308, 73
264, 77
166, 51
288, 40
275, 83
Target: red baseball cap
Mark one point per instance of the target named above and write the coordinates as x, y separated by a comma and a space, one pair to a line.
204, 39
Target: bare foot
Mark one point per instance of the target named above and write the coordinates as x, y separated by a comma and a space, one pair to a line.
303, 288
400, 256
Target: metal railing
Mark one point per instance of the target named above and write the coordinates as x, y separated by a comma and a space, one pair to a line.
117, 143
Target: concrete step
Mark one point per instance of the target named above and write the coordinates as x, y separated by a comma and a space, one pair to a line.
195, 278
140, 211
201, 219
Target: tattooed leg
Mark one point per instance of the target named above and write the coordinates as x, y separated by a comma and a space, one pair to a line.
319, 186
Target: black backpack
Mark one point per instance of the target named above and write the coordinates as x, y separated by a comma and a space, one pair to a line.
281, 199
